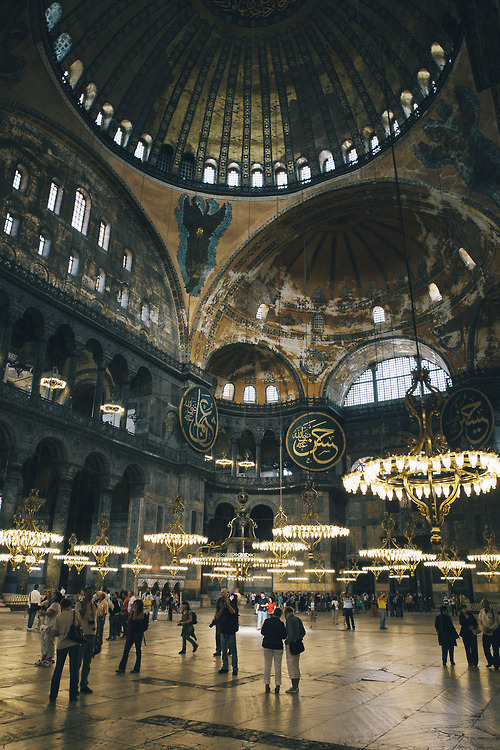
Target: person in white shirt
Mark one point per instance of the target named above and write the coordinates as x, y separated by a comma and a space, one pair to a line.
34, 601
348, 606
489, 622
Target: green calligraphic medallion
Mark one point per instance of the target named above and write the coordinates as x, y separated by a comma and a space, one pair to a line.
315, 441
199, 418
467, 419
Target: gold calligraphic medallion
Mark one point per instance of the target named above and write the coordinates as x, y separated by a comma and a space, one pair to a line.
315, 441
467, 419
199, 418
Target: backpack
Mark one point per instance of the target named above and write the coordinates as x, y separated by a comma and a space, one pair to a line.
194, 618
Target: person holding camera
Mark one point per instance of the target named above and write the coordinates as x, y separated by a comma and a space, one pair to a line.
227, 617
295, 632
87, 609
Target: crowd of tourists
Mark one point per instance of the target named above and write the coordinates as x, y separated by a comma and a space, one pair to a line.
80, 630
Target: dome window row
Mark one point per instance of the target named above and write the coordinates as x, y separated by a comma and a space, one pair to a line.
250, 394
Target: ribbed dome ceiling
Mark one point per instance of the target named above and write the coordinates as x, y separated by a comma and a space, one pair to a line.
244, 84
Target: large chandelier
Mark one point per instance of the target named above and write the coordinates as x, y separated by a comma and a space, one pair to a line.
490, 557
102, 549
29, 541
310, 532
281, 548
450, 564
136, 566
430, 474
175, 539
71, 558
390, 556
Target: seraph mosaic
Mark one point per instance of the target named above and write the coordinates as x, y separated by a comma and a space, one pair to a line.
201, 225
457, 140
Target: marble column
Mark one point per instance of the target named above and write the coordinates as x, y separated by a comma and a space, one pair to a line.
39, 366
258, 457
8, 327
124, 399
59, 525
12, 488
99, 388
71, 377
134, 536
234, 456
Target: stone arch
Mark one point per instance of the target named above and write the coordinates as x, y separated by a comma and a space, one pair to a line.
263, 516
217, 528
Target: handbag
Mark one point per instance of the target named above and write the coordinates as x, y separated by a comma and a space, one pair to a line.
75, 633
296, 647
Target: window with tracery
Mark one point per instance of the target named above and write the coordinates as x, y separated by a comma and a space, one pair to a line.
55, 197
53, 15
43, 248
272, 395
378, 314
249, 394
209, 174
104, 233
281, 178
228, 392
233, 177
187, 167
140, 151
127, 260
62, 46
80, 212
123, 296
257, 177
73, 264
100, 282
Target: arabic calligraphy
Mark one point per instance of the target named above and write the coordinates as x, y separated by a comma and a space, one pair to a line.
467, 419
253, 8
315, 441
199, 418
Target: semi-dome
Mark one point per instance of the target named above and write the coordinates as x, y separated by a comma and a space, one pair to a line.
251, 96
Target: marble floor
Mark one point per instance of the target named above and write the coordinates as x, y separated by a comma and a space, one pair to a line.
382, 690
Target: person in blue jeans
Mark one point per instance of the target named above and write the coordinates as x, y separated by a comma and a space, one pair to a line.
135, 631
65, 647
187, 632
227, 616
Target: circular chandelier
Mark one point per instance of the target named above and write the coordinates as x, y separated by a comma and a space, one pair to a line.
71, 558
490, 557
175, 539
53, 383
450, 565
281, 547
102, 549
136, 565
29, 541
391, 556
310, 532
113, 409
430, 474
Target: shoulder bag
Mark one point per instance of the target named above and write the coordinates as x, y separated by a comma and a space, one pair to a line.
75, 633
296, 647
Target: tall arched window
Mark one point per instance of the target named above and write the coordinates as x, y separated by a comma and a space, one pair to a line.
53, 15
55, 197
374, 144
81, 210
139, 151
73, 264
119, 137
20, 180
272, 395
257, 177
228, 392
123, 296
304, 171
11, 224
187, 167
165, 158
209, 174
249, 394
104, 233
281, 178
378, 314
434, 293
44, 242
318, 323
100, 282
262, 311
466, 259
329, 163
127, 260
62, 46
233, 176
145, 311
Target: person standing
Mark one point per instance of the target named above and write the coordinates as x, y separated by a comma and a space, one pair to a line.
228, 618
335, 610
87, 609
261, 606
187, 631
349, 612
217, 625
34, 601
136, 625
65, 647
489, 622
382, 610
102, 612
295, 632
447, 635
274, 633
47, 637
373, 606
468, 634
124, 614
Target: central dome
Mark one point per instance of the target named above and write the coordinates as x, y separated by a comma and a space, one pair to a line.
208, 93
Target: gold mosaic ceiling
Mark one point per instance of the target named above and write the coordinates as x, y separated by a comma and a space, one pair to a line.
245, 83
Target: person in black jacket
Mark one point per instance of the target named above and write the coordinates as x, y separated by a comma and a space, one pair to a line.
468, 634
274, 633
447, 635
136, 626
227, 616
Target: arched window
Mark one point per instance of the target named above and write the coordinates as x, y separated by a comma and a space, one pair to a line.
228, 392
187, 167
73, 264
281, 177
318, 323
98, 119
105, 116
407, 102
329, 163
81, 211
349, 152
209, 174
44, 243
438, 54
127, 260
165, 158
100, 281
467, 260
304, 171
272, 395
374, 144
11, 224
55, 197
145, 311
139, 151
62, 46
425, 81
262, 311
119, 137
89, 96
391, 379
249, 394
104, 233
124, 296
378, 314
53, 15
233, 176
20, 180
257, 176
435, 294
390, 123
73, 74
